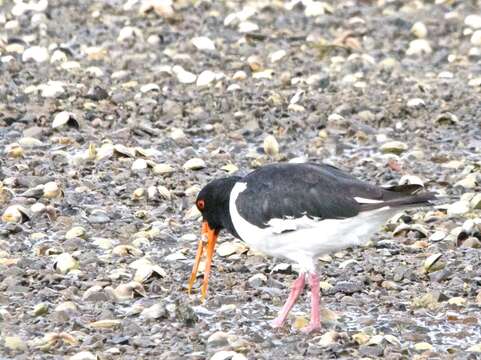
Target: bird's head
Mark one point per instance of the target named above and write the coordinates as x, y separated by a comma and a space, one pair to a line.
213, 204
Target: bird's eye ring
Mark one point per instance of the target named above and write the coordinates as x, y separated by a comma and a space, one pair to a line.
201, 204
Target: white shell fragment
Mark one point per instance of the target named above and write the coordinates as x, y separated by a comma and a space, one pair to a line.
194, 164
184, 76
203, 43
65, 262
271, 146
36, 53
62, 118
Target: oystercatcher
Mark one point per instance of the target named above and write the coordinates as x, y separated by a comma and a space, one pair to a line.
299, 212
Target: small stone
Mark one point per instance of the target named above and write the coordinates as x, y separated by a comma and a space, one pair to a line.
415, 103
217, 339
473, 21
51, 89
361, 338
30, 142
394, 147
247, 27
162, 169
139, 165
239, 75
129, 32
14, 150
75, 232
423, 346
40, 309
153, 312
206, 77
255, 63
446, 119
277, 55
184, 76
475, 348
457, 300
194, 164
475, 82
203, 43
149, 87
228, 248
329, 338
300, 322
257, 280
475, 202
437, 236
105, 324
83, 355
65, 262
419, 30
51, 190
469, 182
419, 47
458, 208
38, 54
63, 118
103, 243
271, 146
66, 306
228, 355
434, 263
15, 214
15, 343
476, 38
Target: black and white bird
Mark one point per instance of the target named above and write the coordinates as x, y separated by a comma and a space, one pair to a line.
298, 212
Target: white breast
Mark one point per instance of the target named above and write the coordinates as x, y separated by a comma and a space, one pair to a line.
309, 238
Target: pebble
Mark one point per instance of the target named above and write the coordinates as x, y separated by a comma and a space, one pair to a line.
228, 355
458, 208
475, 202
415, 103
470, 181
63, 118
419, 30
393, 147
277, 55
473, 21
15, 343
83, 355
184, 76
194, 164
419, 47
476, 38
38, 54
423, 346
329, 338
65, 262
438, 235
75, 232
205, 78
203, 43
271, 146
257, 280
228, 248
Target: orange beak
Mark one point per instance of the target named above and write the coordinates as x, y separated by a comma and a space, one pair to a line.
208, 240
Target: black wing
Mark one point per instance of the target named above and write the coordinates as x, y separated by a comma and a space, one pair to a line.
286, 190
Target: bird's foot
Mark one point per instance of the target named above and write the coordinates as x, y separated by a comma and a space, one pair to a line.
311, 328
277, 323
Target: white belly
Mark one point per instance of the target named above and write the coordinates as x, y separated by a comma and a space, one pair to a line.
310, 238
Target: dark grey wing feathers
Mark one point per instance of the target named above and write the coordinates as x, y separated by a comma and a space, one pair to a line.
322, 191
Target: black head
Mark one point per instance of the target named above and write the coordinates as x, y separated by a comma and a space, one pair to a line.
213, 203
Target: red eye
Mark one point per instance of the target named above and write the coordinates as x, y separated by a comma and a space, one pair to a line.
200, 204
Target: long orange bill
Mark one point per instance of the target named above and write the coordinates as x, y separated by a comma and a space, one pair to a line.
208, 240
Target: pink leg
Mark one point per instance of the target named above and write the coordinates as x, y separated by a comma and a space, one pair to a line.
296, 290
315, 323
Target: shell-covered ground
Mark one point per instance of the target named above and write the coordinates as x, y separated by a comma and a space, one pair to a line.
113, 115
